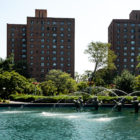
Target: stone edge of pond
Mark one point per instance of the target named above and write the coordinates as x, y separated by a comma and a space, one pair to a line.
55, 105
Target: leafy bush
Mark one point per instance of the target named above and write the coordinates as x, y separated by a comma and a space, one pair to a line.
125, 82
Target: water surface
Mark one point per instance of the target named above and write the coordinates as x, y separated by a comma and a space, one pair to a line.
68, 124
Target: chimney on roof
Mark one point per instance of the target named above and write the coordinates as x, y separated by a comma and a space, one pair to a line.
40, 13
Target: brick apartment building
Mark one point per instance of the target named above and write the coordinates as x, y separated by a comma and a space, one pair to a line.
124, 36
45, 43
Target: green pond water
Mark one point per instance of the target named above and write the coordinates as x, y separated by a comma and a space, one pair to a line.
68, 124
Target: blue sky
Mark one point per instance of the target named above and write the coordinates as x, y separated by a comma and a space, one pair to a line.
92, 18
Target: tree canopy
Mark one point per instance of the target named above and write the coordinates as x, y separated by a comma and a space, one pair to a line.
101, 54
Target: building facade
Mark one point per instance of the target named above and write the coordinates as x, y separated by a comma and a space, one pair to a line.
124, 36
45, 43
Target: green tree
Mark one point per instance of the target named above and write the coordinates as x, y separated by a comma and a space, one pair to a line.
137, 84
48, 88
125, 82
7, 64
12, 82
81, 86
63, 82
101, 54
21, 68
138, 66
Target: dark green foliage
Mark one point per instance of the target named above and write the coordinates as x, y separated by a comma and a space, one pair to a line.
81, 86
7, 64
62, 82
125, 82
12, 82
21, 68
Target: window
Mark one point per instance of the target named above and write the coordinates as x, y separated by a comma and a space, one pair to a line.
48, 22
132, 59
23, 29
48, 52
54, 64
132, 42
31, 39
42, 64
132, 36
31, 45
48, 64
117, 47
42, 46
61, 40
61, 47
23, 34
62, 35
125, 30
54, 46
54, 35
48, 46
54, 41
61, 23
42, 58
42, 70
31, 57
69, 40
132, 25
69, 47
31, 34
54, 52
68, 64
31, 63
69, 29
32, 22
125, 24
54, 28
132, 48
68, 59
48, 34
12, 50
125, 42
42, 52
23, 40
69, 35
118, 59
125, 48
132, 30
42, 40
54, 58
124, 60
69, 23
118, 24
24, 45
12, 39
62, 65
125, 36
31, 52
23, 51
42, 22
124, 53
13, 45
23, 56
42, 28
48, 28
48, 40
61, 29
12, 34
125, 66
42, 34
68, 53
132, 54
54, 23
132, 66
61, 52
62, 59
